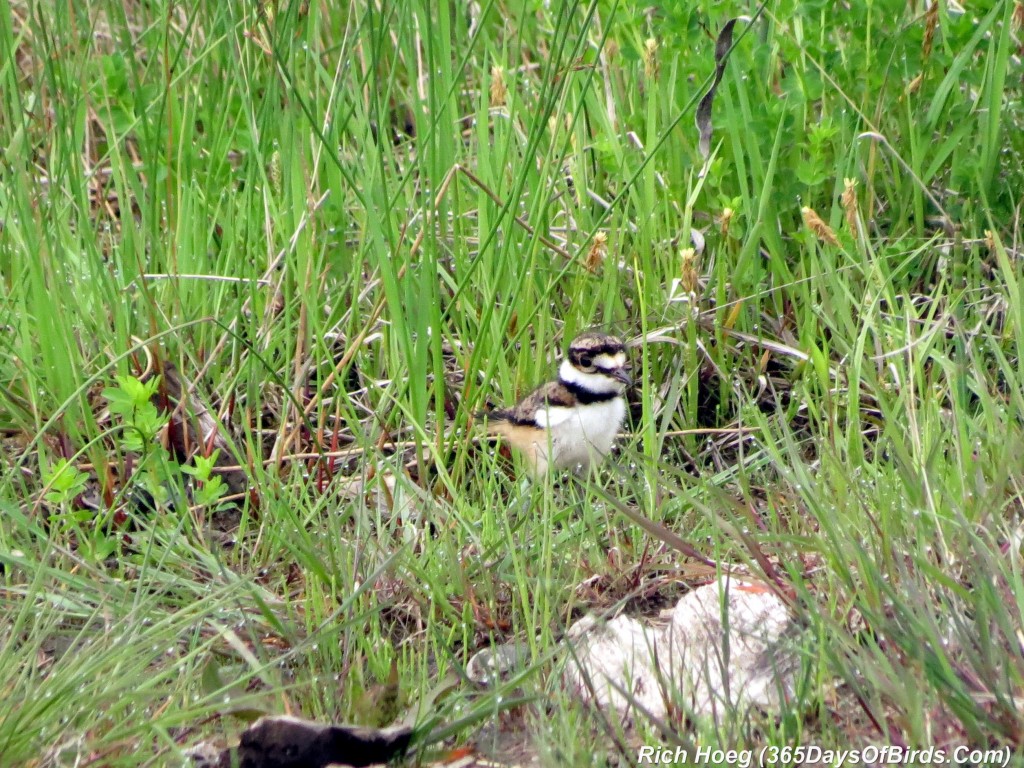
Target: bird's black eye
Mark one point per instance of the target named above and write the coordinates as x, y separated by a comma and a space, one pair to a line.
586, 361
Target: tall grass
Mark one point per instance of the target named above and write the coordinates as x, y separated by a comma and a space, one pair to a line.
350, 229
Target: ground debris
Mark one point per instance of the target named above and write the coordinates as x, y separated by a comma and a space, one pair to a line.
288, 742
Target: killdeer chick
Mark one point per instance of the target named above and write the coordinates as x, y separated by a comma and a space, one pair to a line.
571, 423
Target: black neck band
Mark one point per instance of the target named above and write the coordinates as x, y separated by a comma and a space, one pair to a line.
585, 396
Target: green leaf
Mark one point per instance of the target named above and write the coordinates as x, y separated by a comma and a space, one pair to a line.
65, 482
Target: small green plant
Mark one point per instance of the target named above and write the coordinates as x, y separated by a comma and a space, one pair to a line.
132, 400
141, 422
94, 535
65, 482
209, 488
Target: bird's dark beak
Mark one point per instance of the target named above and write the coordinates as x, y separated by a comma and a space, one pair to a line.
621, 374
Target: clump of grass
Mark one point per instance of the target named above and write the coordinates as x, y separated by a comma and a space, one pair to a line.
349, 230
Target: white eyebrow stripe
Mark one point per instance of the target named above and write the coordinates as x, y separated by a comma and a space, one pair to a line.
606, 361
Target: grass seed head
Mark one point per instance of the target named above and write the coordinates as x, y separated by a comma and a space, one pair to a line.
499, 90
597, 253
820, 229
724, 220
931, 22
650, 56
850, 204
688, 270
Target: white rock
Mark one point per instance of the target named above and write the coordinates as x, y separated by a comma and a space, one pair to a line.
714, 656
613, 665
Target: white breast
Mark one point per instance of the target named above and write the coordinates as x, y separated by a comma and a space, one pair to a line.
581, 435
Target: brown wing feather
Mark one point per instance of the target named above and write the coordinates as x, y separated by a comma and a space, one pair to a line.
525, 413
518, 425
